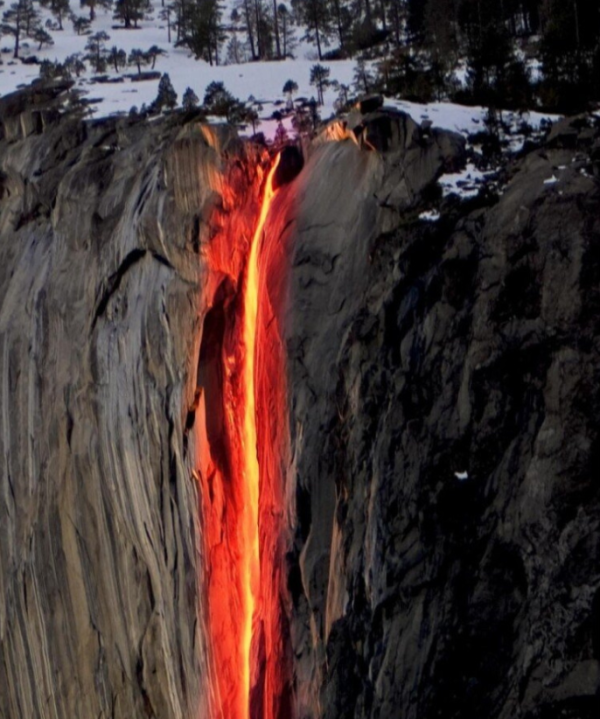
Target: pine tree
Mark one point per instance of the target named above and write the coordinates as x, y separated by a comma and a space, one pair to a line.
251, 115
93, 4
190, 100
275, 23
281, 136
42, 37
290, 89
342, 19
319, 76
138, 58
153, 52
249, 22
570, 44
21, 20
167, 12
74, 64
80, 24
363, 79
286, 29
204, 33
219, 101
235, 51
316, 15
167, 97
130, 12
117, 58
60, 9
96, 50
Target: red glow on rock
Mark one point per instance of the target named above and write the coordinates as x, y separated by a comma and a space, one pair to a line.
241, 438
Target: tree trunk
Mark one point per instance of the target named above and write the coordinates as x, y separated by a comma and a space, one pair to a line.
318, 40
276, 26
259, 46
247, 15
338, 18
284, 37
383, 19
396, 17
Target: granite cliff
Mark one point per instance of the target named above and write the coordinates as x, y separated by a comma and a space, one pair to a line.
441, 492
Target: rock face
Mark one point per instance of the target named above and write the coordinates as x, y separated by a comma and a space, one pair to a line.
443, 388
444, 409
101, 298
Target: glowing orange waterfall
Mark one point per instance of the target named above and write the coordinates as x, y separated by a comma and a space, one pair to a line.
242, 406
251, 576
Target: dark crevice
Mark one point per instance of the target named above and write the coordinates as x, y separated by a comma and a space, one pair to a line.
114, 281
139, 672
163, 260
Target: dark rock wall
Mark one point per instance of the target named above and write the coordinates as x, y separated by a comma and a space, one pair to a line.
418, 351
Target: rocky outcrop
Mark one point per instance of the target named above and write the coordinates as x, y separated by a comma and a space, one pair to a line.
442, 393
102, 293
443, 405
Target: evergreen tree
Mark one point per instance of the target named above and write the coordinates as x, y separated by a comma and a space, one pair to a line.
319, 76
219, 101
290, 89
286, 31
117, 58
235, 51
80, 24
281, 136
60, 9
571, 41
250, 115
275, 22
96, 50
130, 12
343, 98
201, 29
249, 19
167, 97
51, 70
342, 20
138, 58
74, 64
93, 4
265, 30
42, 37
363, 79
21, 20
166, 14
190, 99
153, 53
316, 15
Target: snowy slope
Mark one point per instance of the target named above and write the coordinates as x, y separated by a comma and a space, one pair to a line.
263, 80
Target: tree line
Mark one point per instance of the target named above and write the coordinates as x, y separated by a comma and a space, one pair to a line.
513, 53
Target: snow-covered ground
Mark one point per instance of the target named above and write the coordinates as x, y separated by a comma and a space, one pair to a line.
258, 82
264, 81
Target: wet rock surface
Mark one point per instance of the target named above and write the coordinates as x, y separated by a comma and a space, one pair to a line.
443, 399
